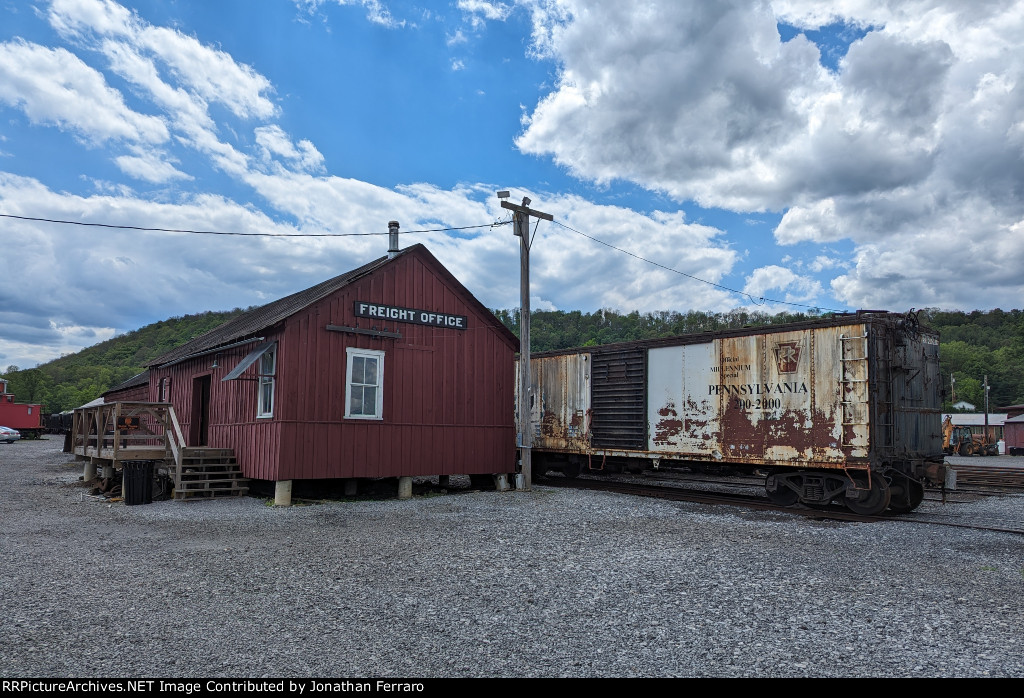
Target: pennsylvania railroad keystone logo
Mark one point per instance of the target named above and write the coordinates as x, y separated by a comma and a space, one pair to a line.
787, 356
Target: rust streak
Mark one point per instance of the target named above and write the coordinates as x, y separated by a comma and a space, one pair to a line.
669, 426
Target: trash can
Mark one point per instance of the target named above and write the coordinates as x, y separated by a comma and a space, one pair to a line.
137, 482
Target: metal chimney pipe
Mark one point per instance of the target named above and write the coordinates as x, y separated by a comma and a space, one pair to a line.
392, 239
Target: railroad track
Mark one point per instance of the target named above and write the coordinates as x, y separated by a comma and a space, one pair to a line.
761, 503
971, 480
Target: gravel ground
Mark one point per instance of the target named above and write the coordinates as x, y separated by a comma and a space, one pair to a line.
553, 583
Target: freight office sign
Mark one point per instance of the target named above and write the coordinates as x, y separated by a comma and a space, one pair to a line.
376, 311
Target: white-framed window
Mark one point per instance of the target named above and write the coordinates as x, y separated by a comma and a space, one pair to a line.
164, 390
364, 385
267, 377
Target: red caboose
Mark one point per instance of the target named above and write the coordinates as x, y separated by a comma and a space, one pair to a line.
28, 419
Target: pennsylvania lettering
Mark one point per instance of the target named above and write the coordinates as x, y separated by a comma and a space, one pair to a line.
757, 389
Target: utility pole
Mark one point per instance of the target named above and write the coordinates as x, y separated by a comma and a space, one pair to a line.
986, 409
521, 220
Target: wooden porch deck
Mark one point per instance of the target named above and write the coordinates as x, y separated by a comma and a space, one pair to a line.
114, 433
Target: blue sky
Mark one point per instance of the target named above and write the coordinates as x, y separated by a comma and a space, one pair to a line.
800, 155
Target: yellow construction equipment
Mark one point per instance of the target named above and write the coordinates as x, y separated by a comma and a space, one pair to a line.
959, 440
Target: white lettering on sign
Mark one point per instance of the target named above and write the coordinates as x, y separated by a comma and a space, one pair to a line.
413, 315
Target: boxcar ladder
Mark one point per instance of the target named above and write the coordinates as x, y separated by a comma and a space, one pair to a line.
853, 358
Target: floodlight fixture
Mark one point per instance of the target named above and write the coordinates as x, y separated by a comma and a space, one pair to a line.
504, 194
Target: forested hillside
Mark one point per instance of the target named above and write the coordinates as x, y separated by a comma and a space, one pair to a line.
977, 344
973, 345
75, 379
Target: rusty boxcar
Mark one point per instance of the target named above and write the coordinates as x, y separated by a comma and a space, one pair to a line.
843, 408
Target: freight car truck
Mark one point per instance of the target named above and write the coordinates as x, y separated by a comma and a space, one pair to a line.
844, 408
27, 419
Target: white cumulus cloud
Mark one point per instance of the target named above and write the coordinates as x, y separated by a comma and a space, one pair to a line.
54, 86
913, 141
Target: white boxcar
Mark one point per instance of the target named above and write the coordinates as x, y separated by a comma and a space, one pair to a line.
835, 408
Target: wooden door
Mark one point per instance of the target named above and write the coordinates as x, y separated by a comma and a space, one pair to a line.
199, 426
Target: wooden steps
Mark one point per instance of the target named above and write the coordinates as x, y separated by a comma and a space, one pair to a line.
209, 472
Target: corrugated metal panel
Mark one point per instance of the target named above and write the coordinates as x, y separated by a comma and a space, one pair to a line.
560, 408
907, 397
619, 398
842, 392
761, 398
683, 412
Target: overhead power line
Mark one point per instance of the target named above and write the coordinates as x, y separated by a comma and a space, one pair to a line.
762, 299
221, 232
759, 299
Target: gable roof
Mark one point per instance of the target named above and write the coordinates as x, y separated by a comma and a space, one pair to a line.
133, 382
249, 324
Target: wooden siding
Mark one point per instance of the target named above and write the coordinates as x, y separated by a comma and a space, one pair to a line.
1013, 434
233, 422
136, 393
447, 394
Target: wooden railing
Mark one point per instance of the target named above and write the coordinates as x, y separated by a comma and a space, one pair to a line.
119, 431
175, 441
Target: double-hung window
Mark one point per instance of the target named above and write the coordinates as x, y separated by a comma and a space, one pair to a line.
267, 375
364, 395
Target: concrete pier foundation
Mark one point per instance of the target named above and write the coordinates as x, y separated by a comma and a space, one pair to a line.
405, 488
283, 493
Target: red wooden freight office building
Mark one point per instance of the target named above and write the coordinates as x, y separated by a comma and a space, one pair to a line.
393, 369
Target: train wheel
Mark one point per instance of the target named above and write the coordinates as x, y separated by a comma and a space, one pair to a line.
909, 498
869, 502
778, 493
572, 469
